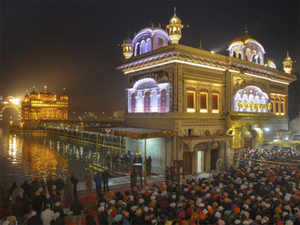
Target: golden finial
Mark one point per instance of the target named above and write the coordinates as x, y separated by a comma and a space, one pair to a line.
288, 63
288, 55
174, 28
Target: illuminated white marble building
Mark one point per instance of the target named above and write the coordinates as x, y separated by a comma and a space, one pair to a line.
213, 104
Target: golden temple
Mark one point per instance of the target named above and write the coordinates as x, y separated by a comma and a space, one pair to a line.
45, 105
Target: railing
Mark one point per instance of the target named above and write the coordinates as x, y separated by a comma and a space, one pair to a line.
102, 140
106, 145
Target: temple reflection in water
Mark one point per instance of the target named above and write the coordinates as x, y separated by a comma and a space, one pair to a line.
23, 158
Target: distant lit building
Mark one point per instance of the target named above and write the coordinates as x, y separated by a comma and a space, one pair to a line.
45, 105
214, 104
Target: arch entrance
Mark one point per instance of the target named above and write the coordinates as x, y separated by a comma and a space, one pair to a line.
10, 110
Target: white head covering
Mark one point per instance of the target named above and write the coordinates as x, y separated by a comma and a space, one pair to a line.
101, 209
173, 205
218, 214
265, 220
237, 222
258, 218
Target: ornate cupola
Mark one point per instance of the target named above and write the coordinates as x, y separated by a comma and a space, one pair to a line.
247, 48
174, 28
288, 64
64, 96
127, 49
45, 89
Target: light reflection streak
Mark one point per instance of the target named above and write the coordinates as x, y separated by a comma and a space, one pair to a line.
12, 149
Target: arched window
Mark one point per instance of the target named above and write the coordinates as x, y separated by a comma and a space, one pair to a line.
149, 45
132, 103
163, 100
147, 101
143, 47
251, 99
137, 49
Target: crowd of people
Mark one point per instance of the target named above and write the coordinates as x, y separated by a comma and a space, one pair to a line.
273, 154
123, 162
252, 194
40, 201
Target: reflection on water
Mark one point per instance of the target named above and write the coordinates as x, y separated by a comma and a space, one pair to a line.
25, 158
12, 150
40, 160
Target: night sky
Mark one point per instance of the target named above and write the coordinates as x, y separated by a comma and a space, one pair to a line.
76, 43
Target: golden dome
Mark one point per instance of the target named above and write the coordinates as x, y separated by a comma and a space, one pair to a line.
271, 64
288, 58
243, 41
244, 38
175, 19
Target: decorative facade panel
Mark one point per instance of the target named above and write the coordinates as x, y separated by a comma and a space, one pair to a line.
148, 96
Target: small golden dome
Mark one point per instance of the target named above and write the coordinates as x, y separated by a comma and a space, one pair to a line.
244, 38
127, 41
288, 58
175, 19
271, 64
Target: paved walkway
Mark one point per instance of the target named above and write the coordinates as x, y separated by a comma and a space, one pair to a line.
121, 183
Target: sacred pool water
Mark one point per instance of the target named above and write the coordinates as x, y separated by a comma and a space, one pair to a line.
23, 158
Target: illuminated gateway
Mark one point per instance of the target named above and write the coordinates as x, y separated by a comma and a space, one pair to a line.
212, 105
45, 105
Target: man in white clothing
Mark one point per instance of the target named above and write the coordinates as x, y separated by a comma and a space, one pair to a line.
48, 215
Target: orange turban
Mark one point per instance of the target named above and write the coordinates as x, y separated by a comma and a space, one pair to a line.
152, 204
184, 222
226, 200
236, 210
202, 216
71, 223
215, 204
248, 201
125, 197
278, 210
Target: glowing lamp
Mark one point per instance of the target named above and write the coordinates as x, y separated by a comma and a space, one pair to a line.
15, 101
